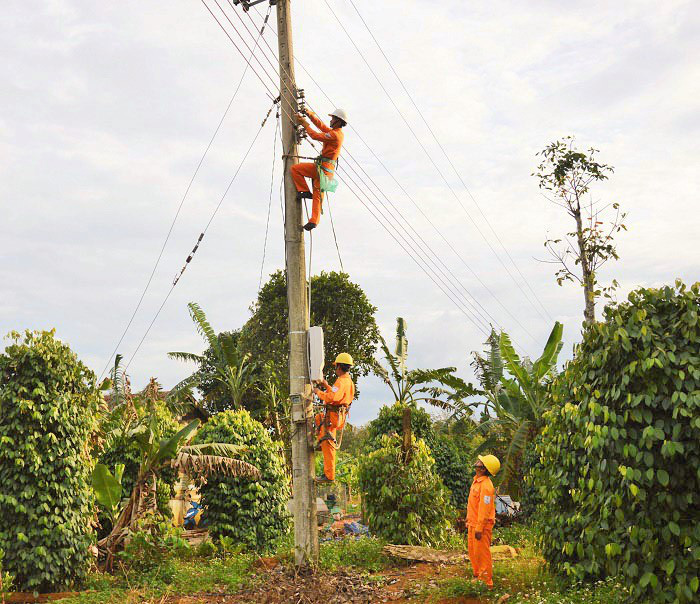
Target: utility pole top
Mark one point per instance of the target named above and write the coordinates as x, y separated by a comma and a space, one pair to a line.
246, 4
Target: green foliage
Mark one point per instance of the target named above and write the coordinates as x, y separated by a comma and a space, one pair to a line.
152, 547
121, 448
438, 387
108, 488
568, 174
517, 396
6, 579
337, 304
390, 421
362, 554
620, 477
226, 373
48, 405
405, 500
453, 456
254, 513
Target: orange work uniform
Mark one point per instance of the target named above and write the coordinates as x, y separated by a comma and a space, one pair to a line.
481, 516
332, 139
338, 399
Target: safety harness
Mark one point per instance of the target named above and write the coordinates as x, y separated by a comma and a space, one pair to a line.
326, 422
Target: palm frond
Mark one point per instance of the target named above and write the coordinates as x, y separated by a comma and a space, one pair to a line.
495, 362
210, 465
393, 365
221, 449
230, 351
548, 359
188, 357
204, 327
514, 453
184, 387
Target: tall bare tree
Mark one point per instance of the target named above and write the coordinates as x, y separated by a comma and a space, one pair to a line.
568, 175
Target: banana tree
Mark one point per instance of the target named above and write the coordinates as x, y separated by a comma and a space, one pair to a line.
232, 371
516, 392
156, 454
437, 387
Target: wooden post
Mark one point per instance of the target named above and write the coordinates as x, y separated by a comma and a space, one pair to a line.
305, 524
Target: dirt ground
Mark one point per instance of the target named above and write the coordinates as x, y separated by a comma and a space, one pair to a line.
281, 585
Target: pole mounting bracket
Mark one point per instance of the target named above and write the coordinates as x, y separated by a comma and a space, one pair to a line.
246, 4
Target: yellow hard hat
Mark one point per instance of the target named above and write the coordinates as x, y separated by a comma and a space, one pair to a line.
345, 359
491, 462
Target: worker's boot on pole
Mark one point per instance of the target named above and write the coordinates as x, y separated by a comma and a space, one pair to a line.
304, 195
310, 226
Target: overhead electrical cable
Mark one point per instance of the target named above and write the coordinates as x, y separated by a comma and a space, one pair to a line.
432, 160
448, 281
449, 159
418, 207
201, 236
269, 204
446, 285
396, 209
182, 201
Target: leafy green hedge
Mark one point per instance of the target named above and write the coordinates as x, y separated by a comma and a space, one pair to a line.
620, 477
406, 503
48, 408
452, 462
254, 513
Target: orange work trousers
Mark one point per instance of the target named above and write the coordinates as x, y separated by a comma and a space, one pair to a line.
480, 553
333, 422
300, 172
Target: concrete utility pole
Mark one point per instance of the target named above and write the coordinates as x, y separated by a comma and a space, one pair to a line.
303, 463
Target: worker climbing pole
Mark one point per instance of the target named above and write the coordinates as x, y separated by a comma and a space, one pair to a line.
322, 170
337, 400
303, 462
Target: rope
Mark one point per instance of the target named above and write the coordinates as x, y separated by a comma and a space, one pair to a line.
182, 201
335, 238
269, 205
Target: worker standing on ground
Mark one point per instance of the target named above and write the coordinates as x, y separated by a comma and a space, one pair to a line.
481, 516
321, 171
337, 399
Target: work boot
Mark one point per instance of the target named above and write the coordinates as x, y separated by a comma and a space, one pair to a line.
309, 226
323, 478
304, 195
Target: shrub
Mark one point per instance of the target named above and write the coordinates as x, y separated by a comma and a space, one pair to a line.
620, 477
48, 405
452, 462
405, 501
254, 513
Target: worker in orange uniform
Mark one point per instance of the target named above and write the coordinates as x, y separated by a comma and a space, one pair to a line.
337, 399
481, 516
321, 171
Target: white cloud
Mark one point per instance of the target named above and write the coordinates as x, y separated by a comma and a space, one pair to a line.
106, 110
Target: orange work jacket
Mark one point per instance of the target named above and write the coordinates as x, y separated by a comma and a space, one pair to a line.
481, 506
341, 393
332, 138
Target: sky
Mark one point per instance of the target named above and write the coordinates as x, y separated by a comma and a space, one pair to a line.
106, 109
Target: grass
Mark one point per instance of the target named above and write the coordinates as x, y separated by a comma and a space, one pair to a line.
526, 579
364, 554
181, 577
